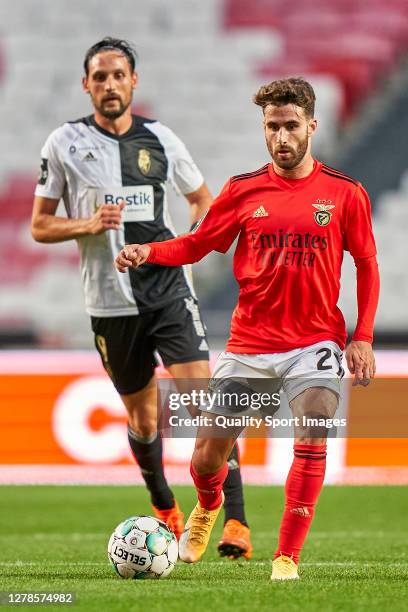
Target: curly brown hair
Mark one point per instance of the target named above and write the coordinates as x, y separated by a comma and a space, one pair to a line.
287, 91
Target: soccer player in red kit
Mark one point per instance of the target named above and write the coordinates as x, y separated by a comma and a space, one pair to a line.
294, 218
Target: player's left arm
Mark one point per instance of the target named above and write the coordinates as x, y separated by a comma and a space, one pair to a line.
200, 201
187, 178
359, 240
359, 353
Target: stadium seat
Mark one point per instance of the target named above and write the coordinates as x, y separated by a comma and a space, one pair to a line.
237, 43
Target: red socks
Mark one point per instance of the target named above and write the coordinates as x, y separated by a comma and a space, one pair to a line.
303, 486
209, 487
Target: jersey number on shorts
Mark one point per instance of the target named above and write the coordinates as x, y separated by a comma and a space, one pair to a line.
327, 354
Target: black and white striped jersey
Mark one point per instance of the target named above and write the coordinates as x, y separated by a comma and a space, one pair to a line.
88, 166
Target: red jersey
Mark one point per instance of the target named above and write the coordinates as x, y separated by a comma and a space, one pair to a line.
292, 234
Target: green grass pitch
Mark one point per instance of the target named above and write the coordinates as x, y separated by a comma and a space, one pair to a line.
356, 556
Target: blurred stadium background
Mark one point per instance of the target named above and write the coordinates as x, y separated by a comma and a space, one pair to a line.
200, 63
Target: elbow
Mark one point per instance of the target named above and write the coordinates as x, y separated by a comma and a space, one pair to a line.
37, 233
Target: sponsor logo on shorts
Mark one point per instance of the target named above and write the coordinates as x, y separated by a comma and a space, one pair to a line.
203, 346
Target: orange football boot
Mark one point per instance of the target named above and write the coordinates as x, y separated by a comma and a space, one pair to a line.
173, 517
235, 541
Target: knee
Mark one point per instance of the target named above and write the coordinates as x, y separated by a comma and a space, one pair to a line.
144, 426
208, 458
311, 441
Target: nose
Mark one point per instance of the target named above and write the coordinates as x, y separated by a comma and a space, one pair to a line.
282, 135
109, 84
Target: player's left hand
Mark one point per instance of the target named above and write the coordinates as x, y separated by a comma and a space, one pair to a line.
361, 362
132, 256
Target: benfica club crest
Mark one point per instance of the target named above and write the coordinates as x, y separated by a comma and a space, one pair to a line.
322, 215
144, 161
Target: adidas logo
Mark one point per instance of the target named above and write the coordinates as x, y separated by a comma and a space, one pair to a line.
301, 511
203, 346
260, 212
89, 157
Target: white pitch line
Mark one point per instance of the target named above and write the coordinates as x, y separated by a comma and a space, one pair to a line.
76, 535
55, 563
218, 563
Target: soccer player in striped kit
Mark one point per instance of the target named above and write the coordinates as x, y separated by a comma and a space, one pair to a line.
112, 170
294, 218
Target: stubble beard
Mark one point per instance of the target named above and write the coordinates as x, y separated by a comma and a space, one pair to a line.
294, 160
112, 114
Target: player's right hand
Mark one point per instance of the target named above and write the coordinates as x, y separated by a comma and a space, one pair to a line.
132, 256
108, 216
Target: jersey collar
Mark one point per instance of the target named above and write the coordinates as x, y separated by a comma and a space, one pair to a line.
294, 184
131, 131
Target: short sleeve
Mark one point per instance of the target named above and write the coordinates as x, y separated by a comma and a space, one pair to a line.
187, 176
358, 237
183, 173
51, 180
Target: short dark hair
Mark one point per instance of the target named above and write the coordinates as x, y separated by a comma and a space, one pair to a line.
111, 44
287, 91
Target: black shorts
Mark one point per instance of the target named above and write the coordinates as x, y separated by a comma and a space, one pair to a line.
127, 344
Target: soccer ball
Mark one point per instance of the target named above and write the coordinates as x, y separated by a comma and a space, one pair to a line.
143, 547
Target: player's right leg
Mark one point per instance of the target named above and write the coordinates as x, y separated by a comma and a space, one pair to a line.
127, 355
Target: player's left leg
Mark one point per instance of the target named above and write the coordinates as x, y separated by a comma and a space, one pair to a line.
235, 541
180, 337
311, 379
304, 481
209, 470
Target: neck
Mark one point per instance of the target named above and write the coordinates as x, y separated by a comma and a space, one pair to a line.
300, 171
115, 126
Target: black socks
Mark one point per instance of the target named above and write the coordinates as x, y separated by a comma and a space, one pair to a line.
234, 497
148, 454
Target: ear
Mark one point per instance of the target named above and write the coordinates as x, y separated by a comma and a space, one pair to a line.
135, 79
85, 84
312, 127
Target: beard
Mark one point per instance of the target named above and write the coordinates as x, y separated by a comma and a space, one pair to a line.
112, 113
296, 155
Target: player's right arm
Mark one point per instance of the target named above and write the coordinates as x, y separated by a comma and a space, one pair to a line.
47, 227
215, 232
